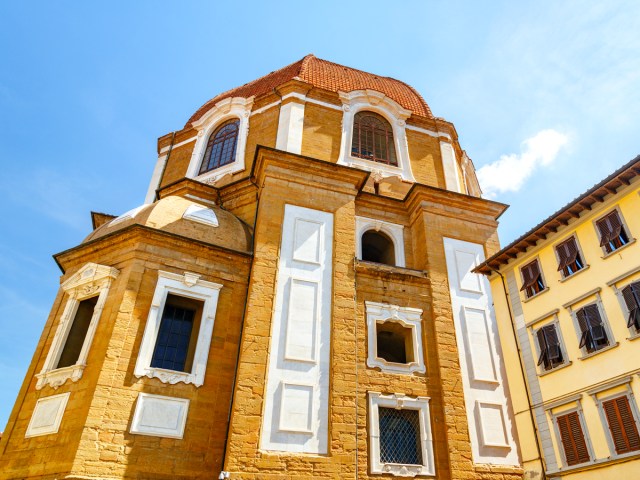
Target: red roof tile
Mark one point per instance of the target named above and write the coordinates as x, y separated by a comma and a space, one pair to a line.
328, 76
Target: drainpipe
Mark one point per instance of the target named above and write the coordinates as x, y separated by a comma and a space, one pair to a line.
536, 434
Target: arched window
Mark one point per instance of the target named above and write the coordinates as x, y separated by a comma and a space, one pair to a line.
373, 138
378, 247
221, 147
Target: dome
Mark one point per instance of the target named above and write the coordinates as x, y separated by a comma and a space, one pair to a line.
328, 76
186, 218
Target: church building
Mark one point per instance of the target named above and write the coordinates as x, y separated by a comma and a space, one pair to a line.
295, 299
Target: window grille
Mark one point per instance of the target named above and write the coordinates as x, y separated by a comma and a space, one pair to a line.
612, 233
550, 351
572, 436
400, 436
532, 282
622, 425
221, 147
631, 295
594, 335
569, 257
174, 335
373, 138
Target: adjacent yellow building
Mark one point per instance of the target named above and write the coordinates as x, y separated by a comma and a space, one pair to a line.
567, 300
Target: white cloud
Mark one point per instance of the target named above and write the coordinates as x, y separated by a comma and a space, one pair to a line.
510, 172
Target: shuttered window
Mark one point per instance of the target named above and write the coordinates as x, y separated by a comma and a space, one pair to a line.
631, 295
373, 138
612, 232
593, 334
573, 441
622, 425
550, 351
532, 282
569, 260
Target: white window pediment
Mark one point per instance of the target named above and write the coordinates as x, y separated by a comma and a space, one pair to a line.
188, 286
90, 281
230, 108
371, 100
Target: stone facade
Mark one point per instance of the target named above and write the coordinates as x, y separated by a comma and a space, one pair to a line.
243, 256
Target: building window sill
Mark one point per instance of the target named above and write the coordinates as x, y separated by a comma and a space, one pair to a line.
527, 299
592, 354
634, 336
595, 463
554, 369
568, 277
617, 250
58, 377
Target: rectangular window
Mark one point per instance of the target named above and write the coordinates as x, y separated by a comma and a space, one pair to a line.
569, 259
532, 282
622, 425
175, 343
593, 333
612, 232
631, 295
550, 350
77, 333
400, 436
573, 441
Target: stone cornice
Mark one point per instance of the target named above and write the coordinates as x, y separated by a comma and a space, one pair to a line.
138, 233
465, 206
189, 188
270, 162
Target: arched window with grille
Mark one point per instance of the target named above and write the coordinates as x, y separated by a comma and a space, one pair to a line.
221, 147
373, 138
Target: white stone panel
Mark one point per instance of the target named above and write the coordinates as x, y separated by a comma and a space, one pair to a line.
301, 321
290, 127
47, 415
468, 281
480, 357
296, 412
307, 244
160, 416
492, 424
450, 166
479, 345
297, 386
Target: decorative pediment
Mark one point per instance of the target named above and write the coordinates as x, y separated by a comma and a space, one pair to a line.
89, 274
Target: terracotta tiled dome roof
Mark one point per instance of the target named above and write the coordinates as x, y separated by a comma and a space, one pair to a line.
328, 76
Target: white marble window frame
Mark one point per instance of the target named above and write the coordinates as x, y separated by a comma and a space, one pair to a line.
394, 231
90, 281
372, 101
228, 109
407, 317
191, 286
61, 400
400, 402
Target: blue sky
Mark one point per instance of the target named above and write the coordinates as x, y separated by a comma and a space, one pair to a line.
545, 96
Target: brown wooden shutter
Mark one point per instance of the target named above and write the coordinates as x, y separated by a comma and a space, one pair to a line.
543, 347
553, 345
572, 436
567, 252
610, 228
582, 323
631, 295
530, 274
622, 425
